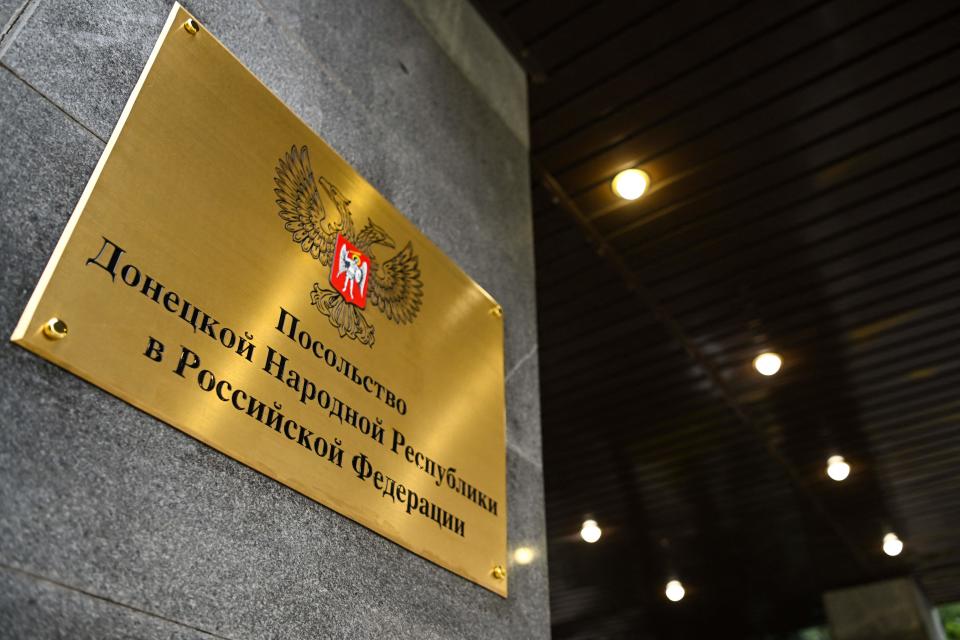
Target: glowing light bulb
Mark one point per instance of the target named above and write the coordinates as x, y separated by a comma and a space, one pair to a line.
892, 545
768, 363
837, 468
631, 184
590, 532
675, 591
523, 555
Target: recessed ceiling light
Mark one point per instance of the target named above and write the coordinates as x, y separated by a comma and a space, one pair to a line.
892, 545
837, 468
767, 363
675, 591
590, 532
631, 184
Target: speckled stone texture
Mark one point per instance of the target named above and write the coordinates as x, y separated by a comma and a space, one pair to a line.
481, 57
9, 11
113, 524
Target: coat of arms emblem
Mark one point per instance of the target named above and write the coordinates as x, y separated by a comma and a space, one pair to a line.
318, 217
349, 272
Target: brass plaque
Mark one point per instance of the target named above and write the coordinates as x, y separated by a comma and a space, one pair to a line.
227, 272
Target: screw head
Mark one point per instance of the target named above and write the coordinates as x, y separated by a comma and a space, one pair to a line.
191, 26
498, 573
55, 329
497, 311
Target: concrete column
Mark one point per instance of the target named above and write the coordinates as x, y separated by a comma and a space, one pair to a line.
114, 525
890, 610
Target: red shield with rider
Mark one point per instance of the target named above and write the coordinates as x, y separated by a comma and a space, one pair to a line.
350, 272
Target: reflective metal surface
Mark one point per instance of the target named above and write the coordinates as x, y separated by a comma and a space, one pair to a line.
214, 218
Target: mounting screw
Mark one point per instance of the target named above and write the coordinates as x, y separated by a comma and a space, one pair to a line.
497, 311
191, 26
55, 329
498, 573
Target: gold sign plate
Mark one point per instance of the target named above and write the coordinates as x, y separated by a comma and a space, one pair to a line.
227, 272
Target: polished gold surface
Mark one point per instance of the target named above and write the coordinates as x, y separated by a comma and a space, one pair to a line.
219, 193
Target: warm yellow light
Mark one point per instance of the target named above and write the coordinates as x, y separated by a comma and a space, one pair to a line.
767, 363
892, 545
590, 532
837, 468
675, 591
631, 184
523, 555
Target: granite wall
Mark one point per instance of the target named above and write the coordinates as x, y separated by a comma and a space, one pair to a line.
114, 525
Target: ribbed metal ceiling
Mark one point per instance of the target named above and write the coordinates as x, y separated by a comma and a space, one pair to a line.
804, 164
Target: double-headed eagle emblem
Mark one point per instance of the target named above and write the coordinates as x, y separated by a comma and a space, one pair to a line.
318, 217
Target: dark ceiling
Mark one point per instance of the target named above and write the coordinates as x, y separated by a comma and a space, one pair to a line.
805, 176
